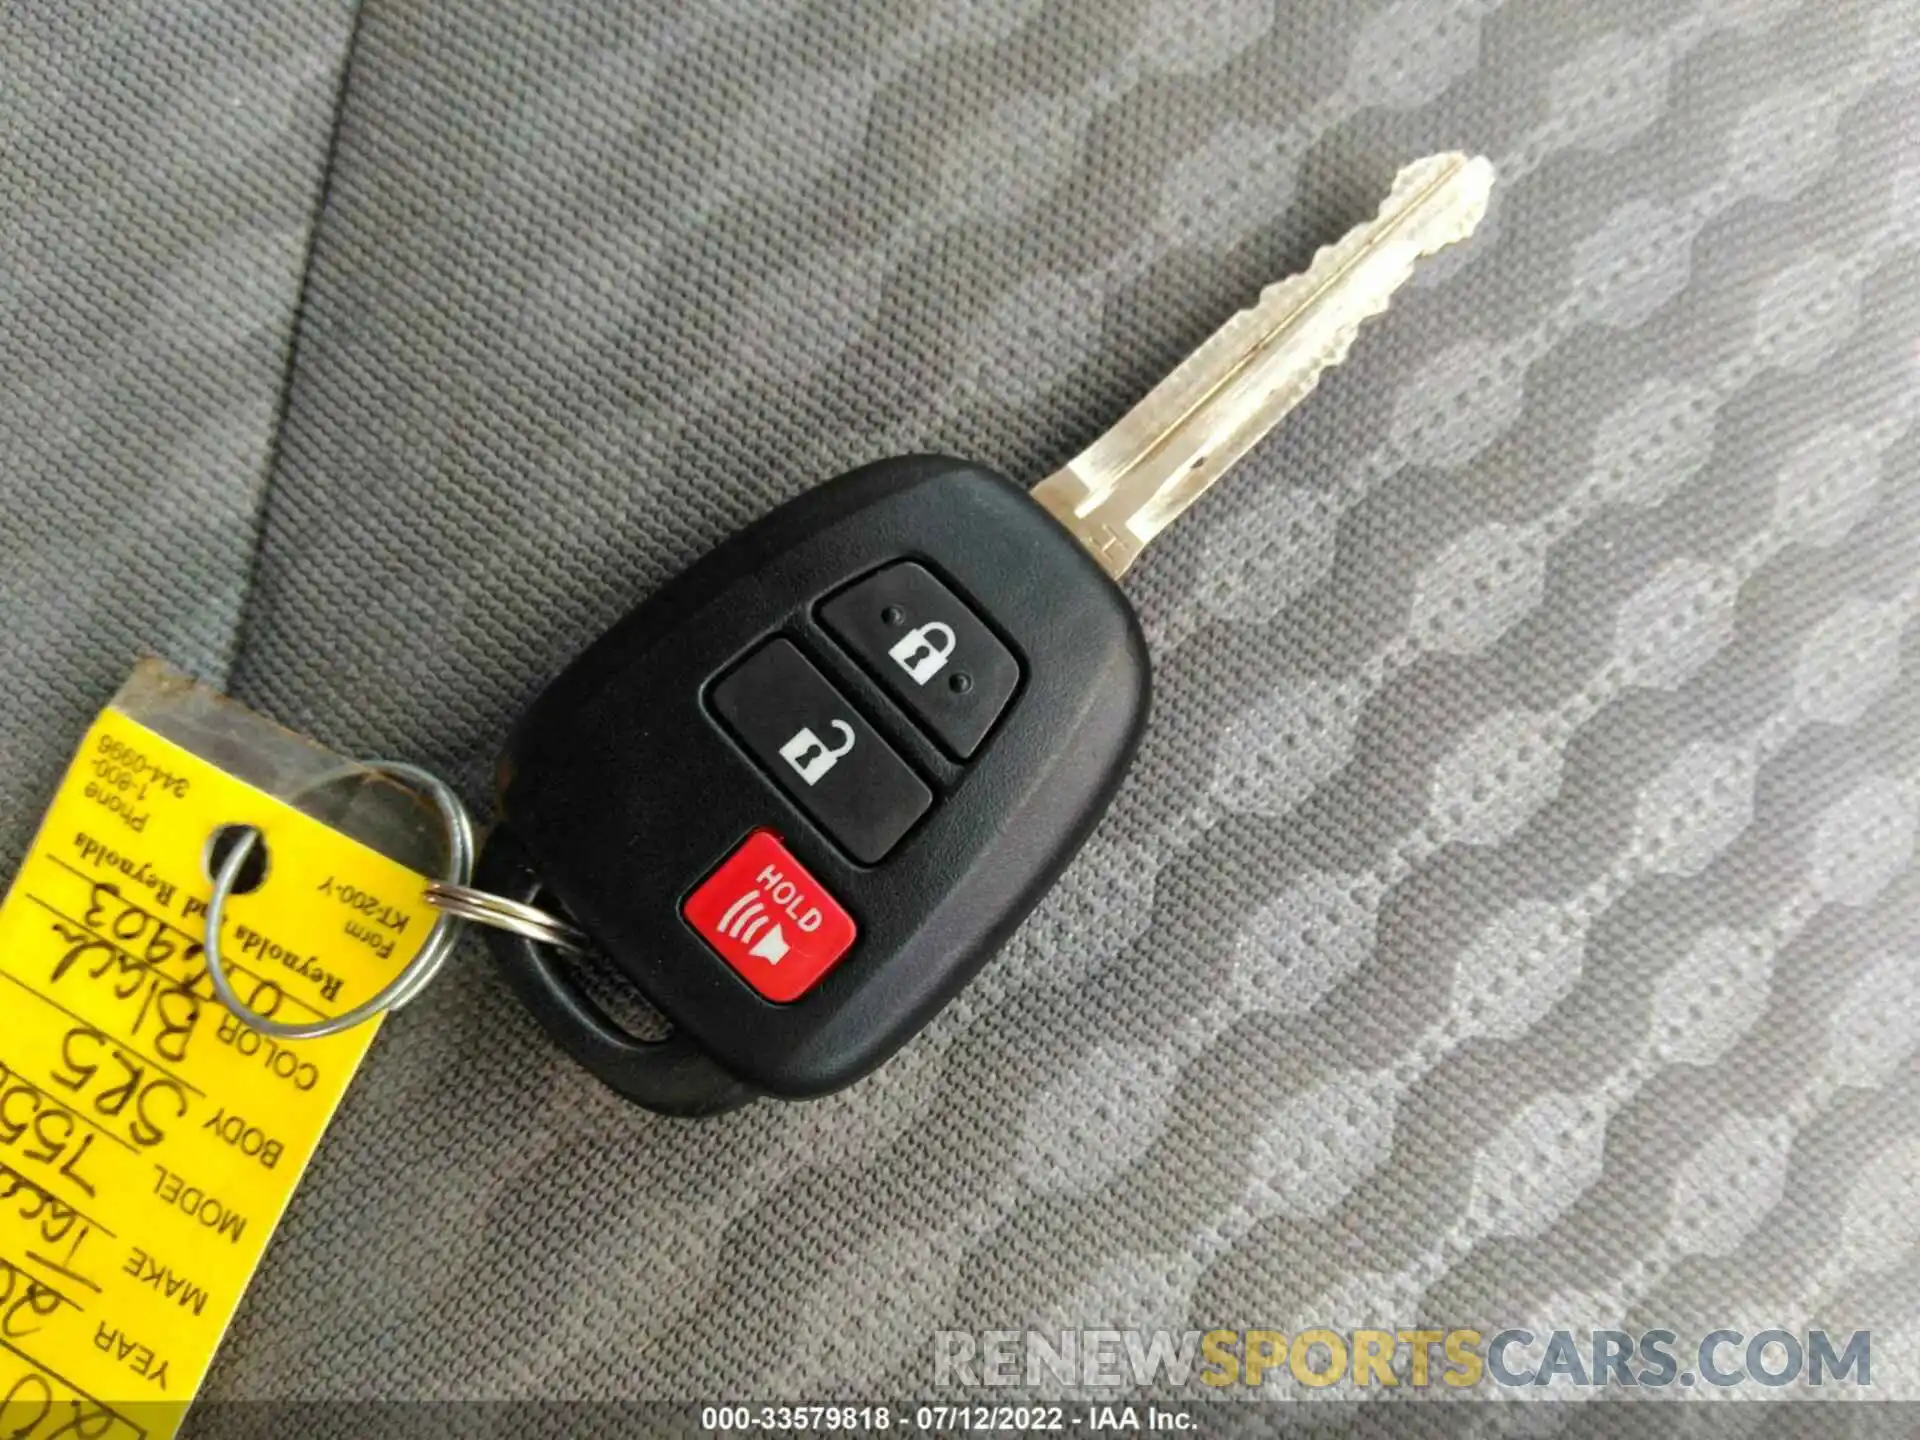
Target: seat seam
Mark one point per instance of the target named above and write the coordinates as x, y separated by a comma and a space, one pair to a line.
296, 326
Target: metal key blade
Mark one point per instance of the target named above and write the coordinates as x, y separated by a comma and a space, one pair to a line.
1141, 476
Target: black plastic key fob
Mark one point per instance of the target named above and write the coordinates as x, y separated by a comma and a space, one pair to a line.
803, 792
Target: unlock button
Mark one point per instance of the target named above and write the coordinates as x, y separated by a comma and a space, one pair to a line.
820, 750
930, 651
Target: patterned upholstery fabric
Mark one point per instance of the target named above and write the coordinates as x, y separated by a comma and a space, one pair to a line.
1512, 916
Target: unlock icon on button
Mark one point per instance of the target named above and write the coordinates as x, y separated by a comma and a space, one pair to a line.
808, 754
923, 651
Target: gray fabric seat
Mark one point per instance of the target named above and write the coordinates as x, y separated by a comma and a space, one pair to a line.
1512, 915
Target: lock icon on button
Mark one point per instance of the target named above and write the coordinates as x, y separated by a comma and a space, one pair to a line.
923, 651
808, 754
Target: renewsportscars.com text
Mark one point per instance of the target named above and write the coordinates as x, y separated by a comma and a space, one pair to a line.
1362, 1359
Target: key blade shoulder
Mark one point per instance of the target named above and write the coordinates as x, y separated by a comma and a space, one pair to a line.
1139, 477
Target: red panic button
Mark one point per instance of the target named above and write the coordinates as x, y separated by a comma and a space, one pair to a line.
770, 920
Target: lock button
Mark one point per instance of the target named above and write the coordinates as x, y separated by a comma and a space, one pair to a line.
821, 751
924, 651
929, 651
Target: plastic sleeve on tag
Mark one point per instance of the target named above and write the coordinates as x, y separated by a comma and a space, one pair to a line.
150, 1142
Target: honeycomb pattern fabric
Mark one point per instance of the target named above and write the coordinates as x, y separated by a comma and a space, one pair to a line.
1511, 918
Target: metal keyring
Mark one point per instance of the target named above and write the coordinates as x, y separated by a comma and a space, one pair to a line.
484, 908
410, 981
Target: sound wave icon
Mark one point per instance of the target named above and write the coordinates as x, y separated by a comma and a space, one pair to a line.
744, 921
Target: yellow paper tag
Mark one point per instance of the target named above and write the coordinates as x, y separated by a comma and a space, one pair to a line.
149, 1142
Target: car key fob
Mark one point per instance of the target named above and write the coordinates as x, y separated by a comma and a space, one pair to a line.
805, 790
800, 795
